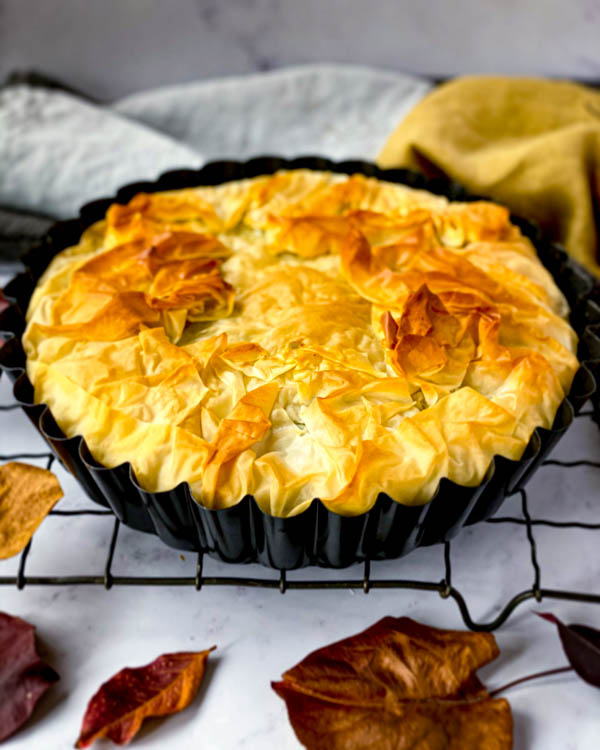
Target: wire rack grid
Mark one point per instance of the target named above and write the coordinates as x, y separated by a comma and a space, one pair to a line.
444, 587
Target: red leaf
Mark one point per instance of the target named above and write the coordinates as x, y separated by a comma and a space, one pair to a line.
581, 645
398, 685
165, 686
24, 677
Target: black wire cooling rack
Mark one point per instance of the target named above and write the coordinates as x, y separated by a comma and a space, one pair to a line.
443, 588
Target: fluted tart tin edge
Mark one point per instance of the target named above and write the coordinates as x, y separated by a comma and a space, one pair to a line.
317, 536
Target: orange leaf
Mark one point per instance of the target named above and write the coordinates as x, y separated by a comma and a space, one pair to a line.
398, 685
27, 495
165, 686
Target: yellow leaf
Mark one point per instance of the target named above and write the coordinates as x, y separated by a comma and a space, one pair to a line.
27, 495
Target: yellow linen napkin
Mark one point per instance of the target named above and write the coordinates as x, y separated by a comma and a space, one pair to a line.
532, 144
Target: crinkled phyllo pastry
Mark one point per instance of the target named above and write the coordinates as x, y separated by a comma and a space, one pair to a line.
302, 335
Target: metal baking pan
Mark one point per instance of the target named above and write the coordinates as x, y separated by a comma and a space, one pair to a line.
317, 536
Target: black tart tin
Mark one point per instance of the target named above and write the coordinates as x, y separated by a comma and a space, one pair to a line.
316, 536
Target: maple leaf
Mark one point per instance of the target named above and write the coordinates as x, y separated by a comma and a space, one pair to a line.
165, 686
27, 495
398, 685
24, 677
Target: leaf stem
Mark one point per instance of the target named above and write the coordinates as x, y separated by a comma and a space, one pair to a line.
535, 676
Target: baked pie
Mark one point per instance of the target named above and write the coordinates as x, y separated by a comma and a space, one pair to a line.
301, 335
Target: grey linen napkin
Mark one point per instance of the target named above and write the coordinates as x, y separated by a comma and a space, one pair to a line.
58, 151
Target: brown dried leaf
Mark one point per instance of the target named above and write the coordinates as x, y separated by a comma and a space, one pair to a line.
398, 685
27, 495
24, 677
165, 686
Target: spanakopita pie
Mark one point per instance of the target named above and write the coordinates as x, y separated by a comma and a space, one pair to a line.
300, 335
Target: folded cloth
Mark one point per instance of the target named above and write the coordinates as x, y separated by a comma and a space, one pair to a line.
58, 151
531, 144
338, 111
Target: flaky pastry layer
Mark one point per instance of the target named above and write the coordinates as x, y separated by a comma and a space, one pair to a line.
301, 335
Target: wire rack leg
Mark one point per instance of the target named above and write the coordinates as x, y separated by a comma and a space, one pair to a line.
108, 576
533, 547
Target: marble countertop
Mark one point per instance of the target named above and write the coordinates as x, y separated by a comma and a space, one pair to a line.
88, 633
114, 48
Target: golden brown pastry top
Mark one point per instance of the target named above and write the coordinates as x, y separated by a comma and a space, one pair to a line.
301, 335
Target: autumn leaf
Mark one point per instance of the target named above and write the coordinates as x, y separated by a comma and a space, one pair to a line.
165, 686
398, 685
581, 645
27, 495
24, 677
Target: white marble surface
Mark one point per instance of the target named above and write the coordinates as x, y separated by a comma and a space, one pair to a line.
116, 47
88, 633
